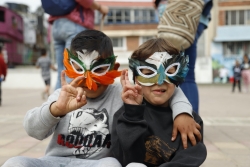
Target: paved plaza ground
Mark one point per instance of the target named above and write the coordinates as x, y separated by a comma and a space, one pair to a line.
226, 117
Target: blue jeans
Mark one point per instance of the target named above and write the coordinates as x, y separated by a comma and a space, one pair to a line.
63, 31
189, 87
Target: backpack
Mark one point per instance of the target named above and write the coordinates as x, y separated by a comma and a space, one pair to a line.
58, 7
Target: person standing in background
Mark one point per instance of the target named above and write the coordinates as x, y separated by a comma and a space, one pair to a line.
66, 27
246, 72
44, 63
189, 86
3, 72
237, 75
223, 72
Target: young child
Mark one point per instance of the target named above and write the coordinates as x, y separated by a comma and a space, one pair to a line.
79, 116
142, 133
44, 63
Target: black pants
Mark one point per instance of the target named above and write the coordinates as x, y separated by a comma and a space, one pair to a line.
238, 83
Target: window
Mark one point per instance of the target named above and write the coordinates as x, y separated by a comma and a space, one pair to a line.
145, 16
248, 17
241, 17
237, 17
235, 48
2, 16
233, 17
119, 43
131, 16
118, 16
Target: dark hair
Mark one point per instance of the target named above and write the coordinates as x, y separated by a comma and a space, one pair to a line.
151, 46
156, 2
43, 51
0, 49
92, 40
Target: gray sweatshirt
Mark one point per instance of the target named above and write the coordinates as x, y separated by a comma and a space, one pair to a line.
85, 132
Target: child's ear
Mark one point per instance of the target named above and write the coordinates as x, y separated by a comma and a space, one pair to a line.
116, 66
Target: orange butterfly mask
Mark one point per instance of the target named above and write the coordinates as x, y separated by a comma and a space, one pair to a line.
94, 70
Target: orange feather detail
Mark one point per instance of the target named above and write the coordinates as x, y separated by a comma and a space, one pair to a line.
70, 72
108, 78
90, 83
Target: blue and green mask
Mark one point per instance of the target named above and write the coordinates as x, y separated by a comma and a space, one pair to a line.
159, 65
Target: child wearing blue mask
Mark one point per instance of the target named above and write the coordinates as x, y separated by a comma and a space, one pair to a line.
141, 134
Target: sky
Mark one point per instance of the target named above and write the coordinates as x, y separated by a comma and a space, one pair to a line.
33, 4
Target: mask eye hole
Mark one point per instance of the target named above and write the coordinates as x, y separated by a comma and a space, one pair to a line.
173, 69
77, 67
146, 72
101, 69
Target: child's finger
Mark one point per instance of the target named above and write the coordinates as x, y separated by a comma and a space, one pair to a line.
174, 133
139, 89
198, 134
184, 140
197, 126
75, 82
122, 78
192, 138
130, 87
129, 94
126, 78
80, 93
84, 99
63, 80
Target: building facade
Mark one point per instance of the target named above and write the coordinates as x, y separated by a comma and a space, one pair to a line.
128, 24
230, 37
132, 22
11, 25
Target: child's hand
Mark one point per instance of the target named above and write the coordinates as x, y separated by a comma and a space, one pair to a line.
187, 126
131, 94
71, 97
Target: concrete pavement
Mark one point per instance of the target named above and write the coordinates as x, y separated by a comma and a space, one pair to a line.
226, 117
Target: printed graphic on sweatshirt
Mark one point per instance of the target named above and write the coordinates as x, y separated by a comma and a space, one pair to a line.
88, 132
157, 151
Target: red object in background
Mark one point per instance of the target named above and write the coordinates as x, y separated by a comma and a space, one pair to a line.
231, 79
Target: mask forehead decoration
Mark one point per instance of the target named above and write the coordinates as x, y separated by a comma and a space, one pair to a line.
87, 58
159, 68
93, 69
158, 58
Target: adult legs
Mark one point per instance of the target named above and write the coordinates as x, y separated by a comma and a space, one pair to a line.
234, 83
246, 79
189, 87
59, 47
239, 85
64, 31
